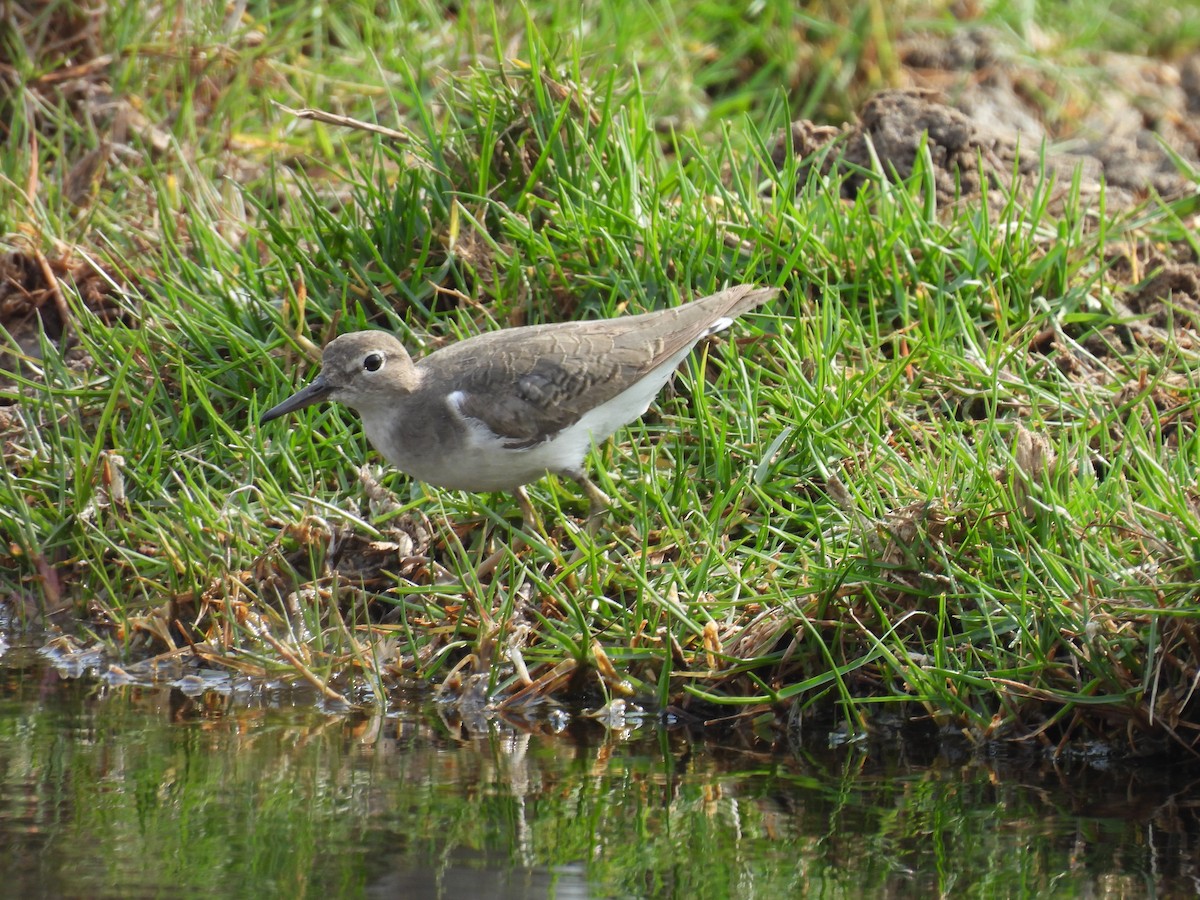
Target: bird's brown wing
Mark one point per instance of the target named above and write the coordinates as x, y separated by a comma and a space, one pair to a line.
528, 384
526, 399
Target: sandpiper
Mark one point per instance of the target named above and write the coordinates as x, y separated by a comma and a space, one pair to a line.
497, 411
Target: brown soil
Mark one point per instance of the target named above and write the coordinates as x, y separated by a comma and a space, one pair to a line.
987, 120
978, 111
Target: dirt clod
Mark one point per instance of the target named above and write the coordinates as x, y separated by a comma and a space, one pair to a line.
985, 116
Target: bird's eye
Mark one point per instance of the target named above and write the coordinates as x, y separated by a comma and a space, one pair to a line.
373, 362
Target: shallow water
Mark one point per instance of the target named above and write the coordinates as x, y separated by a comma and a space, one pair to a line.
140, 792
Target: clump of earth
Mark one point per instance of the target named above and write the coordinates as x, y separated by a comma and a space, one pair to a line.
975, 107
1129, 132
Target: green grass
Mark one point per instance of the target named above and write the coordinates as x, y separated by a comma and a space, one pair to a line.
885, 489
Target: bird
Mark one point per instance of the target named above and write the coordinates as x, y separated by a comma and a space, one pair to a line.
499, 410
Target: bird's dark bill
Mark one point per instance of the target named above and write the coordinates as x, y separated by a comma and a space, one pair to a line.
316, 391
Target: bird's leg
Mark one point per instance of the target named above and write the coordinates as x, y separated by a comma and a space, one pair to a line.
532, 524
529, 516
598, 501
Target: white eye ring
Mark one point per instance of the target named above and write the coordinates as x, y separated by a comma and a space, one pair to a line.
373, 361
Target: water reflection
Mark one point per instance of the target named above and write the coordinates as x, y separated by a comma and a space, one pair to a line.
127, 791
